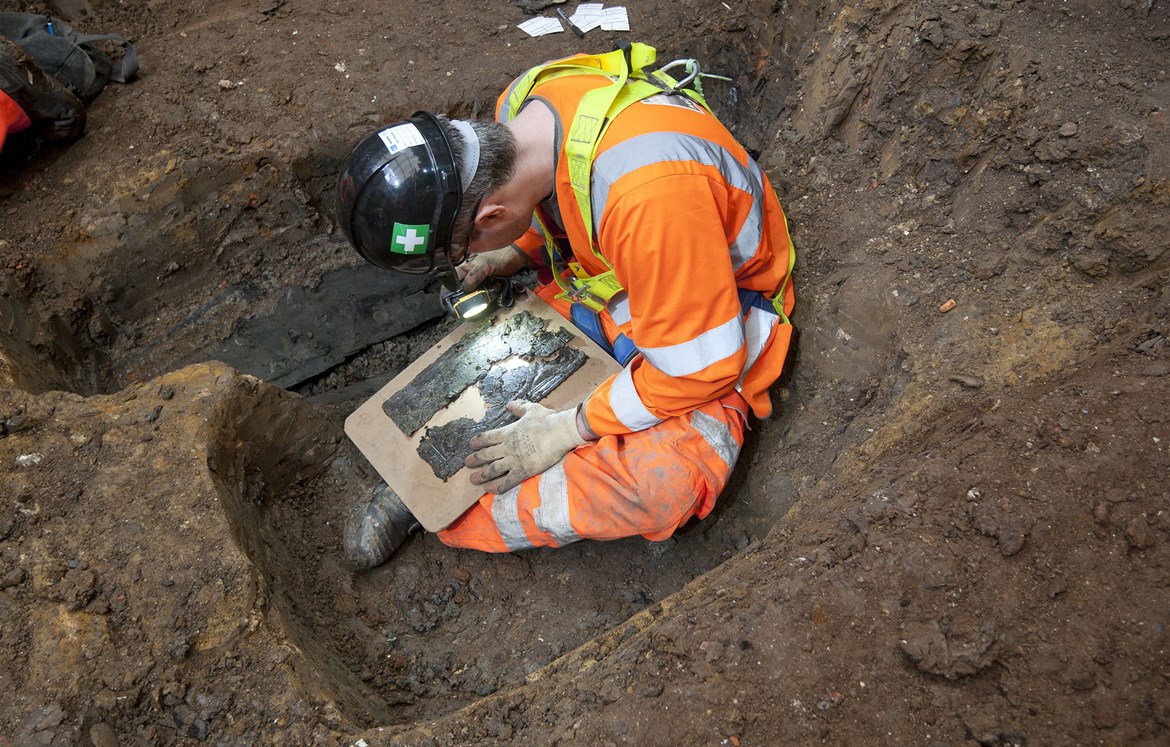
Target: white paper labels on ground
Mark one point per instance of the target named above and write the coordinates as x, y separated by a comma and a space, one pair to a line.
590, 16
540, 26
615, 19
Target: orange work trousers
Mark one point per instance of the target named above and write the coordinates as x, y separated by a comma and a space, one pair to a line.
647, 483
12, 117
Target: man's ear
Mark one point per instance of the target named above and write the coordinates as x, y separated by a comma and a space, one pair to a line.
489, 214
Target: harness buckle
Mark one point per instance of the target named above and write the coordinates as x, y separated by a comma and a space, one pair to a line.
693, 72
581, 293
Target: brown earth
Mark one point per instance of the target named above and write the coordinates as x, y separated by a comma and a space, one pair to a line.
954, 530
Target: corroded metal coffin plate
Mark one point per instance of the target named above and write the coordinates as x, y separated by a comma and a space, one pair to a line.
378, 428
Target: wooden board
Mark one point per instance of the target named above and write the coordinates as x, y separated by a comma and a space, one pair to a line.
394, 454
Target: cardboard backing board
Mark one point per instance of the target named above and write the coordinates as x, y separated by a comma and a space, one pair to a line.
394, 454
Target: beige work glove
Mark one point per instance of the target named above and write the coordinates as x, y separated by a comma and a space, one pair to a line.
496, 263
515, 452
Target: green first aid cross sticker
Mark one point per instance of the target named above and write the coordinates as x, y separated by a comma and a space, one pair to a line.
410, 239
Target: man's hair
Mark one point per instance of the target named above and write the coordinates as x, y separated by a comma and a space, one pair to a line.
497, 165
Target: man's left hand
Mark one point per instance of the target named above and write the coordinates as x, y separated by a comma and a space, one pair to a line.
498, 263
511, 454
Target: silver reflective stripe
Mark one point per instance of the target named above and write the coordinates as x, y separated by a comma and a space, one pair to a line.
717, 435
757, 326
502, 111
751, 233
692, 356
506, 514
627, 405
552, 515
662, 99
619, 308
656, 147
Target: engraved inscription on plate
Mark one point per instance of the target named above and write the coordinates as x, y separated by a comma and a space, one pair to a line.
535, 360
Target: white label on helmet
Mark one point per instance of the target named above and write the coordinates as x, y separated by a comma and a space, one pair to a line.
400, 137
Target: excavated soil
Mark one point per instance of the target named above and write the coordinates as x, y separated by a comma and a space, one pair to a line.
955, 529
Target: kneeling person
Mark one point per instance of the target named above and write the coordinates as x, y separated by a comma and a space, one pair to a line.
670, 250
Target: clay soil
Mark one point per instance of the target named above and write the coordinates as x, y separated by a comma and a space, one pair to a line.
955, 529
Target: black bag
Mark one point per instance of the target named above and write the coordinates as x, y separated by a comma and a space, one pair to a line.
70, 57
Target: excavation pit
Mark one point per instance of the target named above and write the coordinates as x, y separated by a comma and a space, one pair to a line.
255, 276
433, 630
979, 546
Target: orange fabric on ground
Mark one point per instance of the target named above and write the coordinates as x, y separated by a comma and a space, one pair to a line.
12, 117
647, 483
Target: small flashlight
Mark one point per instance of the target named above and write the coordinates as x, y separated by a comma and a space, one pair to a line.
492, 295
472, 304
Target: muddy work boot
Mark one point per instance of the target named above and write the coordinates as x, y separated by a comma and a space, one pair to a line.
375, 530
57, 113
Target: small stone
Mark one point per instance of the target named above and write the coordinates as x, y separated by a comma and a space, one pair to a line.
1046, 664
832, 698
226, 85
103, 735
658, 549
968, 382
951, 648
1083, 682
198, 730
713, 650
77, 588
1104, 712
179, 648
1160, 705
1057, 587
1010, 539
1068, 129
1158, 368
1138, 533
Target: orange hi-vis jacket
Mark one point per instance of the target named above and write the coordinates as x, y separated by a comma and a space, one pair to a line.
687, 220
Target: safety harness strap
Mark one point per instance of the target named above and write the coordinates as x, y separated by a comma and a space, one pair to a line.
782, 290
622, 349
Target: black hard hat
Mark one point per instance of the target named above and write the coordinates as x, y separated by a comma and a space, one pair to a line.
398, 195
